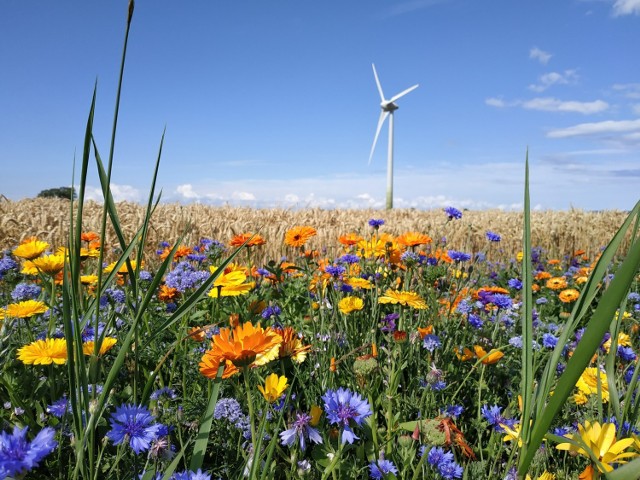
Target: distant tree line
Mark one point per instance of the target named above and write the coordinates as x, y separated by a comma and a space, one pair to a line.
60, 192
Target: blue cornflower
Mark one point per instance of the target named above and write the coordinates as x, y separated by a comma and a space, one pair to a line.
457, 256
453, 213
145, 276
438, 385
271, 311
164, 392
541, 301
431, 342
335, 270
515, 283
453, 411
59, 408
628, 374
302, 431
437, 455
133, 424
562, 431
25, 291
516, 341
191, 475
115, 295
450, 470
464, 307
344, 408
549, 340
263, 272
348, 258
475, 321
633, 297
373, 223
381, 468
501, 301
185, 276
410, 258
494, 416
18, 455
626, 353
493, 237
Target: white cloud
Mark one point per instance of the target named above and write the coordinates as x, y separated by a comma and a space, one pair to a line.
120, 193
549, 104
597, 128
291, 198
540, 55
628, 90
186, 191
626, 7
243, 196
496, 102
547, 80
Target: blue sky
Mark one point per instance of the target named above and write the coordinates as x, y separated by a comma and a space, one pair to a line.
275, 103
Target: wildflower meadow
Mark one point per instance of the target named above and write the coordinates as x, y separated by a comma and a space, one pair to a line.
387, 357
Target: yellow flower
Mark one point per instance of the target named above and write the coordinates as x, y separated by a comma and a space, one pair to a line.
623, 339
88, 279
556, 283
350, 304
316, 413
49, 264
512, 433
25, 309
230, 284
357, 282
569, 295
291, 346
519, 256
30, 248
123, 268
44, 352
588, 383
487, 358
410, 299
543, 476
28, 268
599, 442
299, 235
273, 387
107, 344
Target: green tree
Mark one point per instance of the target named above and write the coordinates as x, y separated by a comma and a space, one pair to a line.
60, 192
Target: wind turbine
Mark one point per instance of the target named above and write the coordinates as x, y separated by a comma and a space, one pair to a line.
388, 107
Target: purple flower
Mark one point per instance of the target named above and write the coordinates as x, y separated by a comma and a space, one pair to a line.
431, 342
348, 258
18, 455
271, 311
515, 283
164, 392
453, 213
302, 431
133, 424
493, 237
475, 321
458, 256
453, 411
335, 270
59, 408
373, 223
25, 291
549, 340
626, 353
381, 468
344, 408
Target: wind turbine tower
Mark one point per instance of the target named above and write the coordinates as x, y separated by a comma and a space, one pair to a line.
388, 107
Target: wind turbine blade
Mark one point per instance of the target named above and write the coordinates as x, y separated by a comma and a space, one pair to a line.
375, 74
402, 94
383, 117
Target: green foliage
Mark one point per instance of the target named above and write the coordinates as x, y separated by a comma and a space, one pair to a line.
68, 193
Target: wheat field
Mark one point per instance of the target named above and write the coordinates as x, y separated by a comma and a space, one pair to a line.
558, 232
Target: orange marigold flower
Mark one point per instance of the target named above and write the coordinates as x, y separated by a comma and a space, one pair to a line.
412, 239
424, 331
465, 355
30, 248
332, 366
487, 358
556, 283
410, 299
246, 345
569, 295
167, 294
490, 291
298, 236
197, 334
181, 251
542, 276
350, 239
254, 240
89, 237
209, 365
292, 346
553, 261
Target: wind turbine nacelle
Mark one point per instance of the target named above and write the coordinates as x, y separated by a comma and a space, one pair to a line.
388, 106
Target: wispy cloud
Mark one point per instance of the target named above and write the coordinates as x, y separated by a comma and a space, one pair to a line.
120, 193
568, 77
549, 104
628, 90
540, 55
630, 128
626, 7
411, 6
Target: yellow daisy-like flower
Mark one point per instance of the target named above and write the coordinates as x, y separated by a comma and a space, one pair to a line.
543, 476
44, 352
230, 284
357, 282
30, 248
569, 295
49, 264
28, 268
273, 388
25, 309
408, 299
88, 279
107, 344
350, 304
588, 384
316, 413
556, 283
487, 358
623, 339
292, 346
512, 433
123, 268
601, 443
